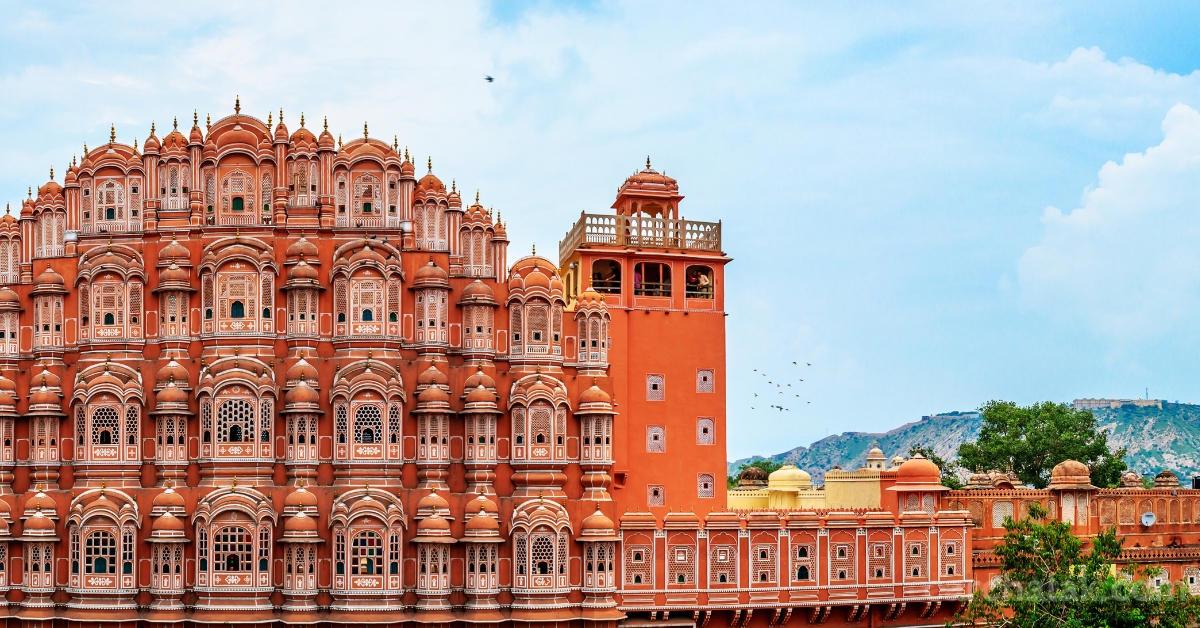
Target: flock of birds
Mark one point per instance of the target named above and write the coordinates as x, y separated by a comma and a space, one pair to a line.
780, 385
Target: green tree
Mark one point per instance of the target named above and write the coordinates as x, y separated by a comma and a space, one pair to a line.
949, 469
1047, 579
770, 466
1031, 440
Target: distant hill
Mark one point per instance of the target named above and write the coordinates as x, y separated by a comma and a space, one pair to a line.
1157, 439
848, 450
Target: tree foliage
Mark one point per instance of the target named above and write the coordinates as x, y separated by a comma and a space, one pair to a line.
1047, 579
949, 468
1031, 440
770, 466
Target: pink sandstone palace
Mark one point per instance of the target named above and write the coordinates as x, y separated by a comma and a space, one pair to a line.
251, 375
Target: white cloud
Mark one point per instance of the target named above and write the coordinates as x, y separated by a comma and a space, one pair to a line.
1127, 262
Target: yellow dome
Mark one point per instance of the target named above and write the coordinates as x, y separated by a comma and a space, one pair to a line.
789, 477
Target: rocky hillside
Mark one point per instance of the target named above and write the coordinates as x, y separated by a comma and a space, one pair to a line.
1157, 439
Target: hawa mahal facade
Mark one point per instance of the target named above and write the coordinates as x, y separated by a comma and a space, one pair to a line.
252, 375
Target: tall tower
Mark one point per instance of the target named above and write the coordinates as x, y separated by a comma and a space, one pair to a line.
662, 282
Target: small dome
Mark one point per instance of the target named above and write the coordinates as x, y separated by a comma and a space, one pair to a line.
174, 251
300, 522
303, 136
433, 394
39, 525
434, 502
168, 499
302, 370
432, 376
300, 498
875, 454
752, 477
789, 477
8, 297
49, 378
174, 274
237, 135
1071, 474
482, 503
430, 275
172, 371
482, 522
48, 278
171, 394
302, 271
595, 395
41, 500
479, 378
43, 396
431, 183
597, 522
168, 522
478, 291
1129, 479
7, 384
301, 393
304, 247
478, 395
537, 279
1166, 479
918, 470
369, 254
433, 524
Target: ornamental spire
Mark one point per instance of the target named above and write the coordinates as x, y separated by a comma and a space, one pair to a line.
365, 135
301, 119
112, 134
237, 105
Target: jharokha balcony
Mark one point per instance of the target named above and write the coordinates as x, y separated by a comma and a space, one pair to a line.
641, 231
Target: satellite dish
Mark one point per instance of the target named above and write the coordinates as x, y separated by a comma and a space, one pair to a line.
1148, 519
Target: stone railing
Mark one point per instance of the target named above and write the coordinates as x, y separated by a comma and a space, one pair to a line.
642, 232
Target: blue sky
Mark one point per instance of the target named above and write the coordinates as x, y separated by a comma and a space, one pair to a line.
935, 204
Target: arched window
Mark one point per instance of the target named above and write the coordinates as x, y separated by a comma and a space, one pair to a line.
366, 554
652, 279
698, 282
232, 550
100, 554
237, 309
105, 426
235, 421
606, 276
368, 424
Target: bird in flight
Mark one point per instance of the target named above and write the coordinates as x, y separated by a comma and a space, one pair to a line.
809, 364
489, 79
